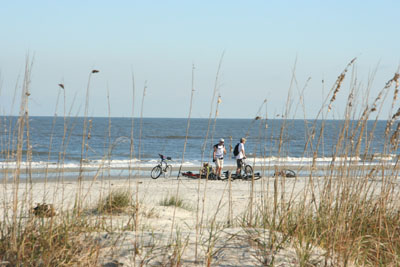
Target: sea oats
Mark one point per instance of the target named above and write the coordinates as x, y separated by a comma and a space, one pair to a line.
338, 83
394, 139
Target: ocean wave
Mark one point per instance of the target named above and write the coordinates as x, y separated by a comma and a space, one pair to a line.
90, 165
148, 163
322, 161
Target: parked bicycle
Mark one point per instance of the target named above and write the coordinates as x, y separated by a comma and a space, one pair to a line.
286, 173
246, 173
162, 167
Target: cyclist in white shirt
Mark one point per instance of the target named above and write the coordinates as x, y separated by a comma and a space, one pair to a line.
218, 156
240, 156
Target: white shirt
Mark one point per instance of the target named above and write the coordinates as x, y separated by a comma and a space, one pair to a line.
219, 153
241, 150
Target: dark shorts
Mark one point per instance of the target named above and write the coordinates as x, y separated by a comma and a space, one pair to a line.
239, 163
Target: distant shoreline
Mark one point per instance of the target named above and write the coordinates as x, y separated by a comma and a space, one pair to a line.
312, 119
38, 175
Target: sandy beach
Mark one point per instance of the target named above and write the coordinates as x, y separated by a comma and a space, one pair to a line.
219, 208
205, 201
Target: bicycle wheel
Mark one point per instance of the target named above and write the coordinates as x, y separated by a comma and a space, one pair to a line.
257, 176
248, 171
167, 171
156, 172
290, 173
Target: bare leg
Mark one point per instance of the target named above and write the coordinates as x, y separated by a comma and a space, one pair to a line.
238, 171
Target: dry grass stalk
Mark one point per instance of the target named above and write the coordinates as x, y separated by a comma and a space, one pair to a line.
199, 221
206, 182
184, 146
387, 86
141, 125
395, 138
84, 146
131, 145
339, 82
23, 118
51, 139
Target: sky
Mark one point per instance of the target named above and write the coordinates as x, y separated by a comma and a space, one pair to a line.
157, 44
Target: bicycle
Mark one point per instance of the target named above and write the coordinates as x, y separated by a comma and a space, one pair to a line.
286, 173
162, 167
246, 173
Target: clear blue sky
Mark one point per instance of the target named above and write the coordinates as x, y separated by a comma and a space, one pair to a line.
158, 41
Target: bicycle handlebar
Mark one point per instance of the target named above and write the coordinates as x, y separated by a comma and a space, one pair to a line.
163, 157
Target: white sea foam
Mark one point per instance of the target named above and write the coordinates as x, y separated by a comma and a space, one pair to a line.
303, 160
323, 161
135, 163
96, 164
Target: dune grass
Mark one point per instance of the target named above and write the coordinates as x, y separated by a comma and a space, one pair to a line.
175, 201
116, 201
49, 243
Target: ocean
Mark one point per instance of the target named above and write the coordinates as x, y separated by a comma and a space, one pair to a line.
56, 142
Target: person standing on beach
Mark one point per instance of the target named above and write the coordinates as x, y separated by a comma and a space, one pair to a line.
240, 156
218, 156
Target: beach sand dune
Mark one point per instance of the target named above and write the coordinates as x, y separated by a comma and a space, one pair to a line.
168, 234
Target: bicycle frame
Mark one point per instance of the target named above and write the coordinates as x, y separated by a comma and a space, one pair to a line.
246, 171
161, 167
163, 162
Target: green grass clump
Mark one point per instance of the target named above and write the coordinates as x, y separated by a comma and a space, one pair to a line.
49, 243
116, 202
175, 201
